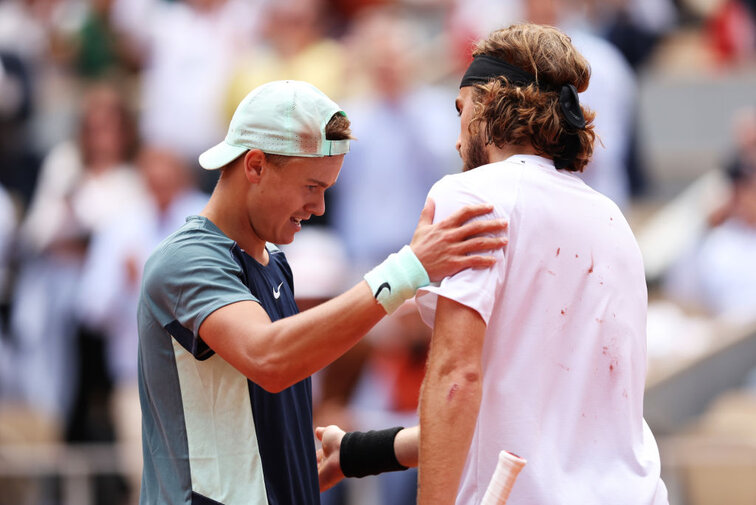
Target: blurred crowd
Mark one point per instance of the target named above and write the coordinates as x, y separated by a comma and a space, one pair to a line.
105, 105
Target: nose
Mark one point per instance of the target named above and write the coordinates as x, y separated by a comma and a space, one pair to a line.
317, 206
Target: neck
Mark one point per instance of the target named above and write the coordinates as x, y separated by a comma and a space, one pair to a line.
226, 209
508, 150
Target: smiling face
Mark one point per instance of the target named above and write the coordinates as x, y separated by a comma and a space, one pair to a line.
470, 147
285, 195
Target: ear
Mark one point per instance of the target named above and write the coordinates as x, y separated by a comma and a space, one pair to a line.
254, 165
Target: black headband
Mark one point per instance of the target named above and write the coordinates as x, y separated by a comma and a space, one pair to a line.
485, 68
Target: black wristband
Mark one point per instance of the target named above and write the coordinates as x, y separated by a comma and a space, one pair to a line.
369, 453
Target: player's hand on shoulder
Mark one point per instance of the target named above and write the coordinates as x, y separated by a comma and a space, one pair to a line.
446, 247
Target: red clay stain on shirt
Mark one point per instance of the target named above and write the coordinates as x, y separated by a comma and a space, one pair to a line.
612, 359
562, 311
559, 249
590, 270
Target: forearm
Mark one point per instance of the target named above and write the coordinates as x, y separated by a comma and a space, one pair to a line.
276, 355
448, 414
407, 446
450, 400
298, 346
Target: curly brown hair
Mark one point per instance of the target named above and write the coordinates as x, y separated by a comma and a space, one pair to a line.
522, 115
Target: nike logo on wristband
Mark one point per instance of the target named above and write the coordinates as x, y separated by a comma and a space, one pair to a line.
385, 285
277, 291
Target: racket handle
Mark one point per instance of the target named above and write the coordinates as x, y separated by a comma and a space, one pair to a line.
503, 479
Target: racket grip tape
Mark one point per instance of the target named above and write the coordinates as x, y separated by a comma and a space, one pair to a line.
504, 476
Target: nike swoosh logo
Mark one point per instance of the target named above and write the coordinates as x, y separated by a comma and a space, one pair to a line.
277, 291
385, 285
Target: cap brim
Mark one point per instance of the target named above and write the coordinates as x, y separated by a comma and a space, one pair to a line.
220, 155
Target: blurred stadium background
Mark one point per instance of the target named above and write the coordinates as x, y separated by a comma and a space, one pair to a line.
105, 105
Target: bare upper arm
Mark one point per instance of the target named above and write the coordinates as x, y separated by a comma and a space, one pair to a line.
237, 333
458, 331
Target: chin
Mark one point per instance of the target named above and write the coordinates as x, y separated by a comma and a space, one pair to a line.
286, 239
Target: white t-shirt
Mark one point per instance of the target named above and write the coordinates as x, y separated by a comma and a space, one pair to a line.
564, 357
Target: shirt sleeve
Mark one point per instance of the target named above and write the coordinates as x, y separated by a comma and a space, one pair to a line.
474, 288
186, 282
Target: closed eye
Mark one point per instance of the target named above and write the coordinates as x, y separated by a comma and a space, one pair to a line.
316, 184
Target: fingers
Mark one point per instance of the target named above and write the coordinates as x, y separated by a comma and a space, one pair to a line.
477, 262
446, 247
429, 210
468, 212
319, 432
464, 256
481, 244
460, 263
480, 227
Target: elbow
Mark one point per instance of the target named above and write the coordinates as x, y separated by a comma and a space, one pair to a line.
271, 384
269, 373
274, 386
460, 382
465, 371
469, 378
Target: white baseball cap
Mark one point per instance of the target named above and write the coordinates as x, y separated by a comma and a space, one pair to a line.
280, 117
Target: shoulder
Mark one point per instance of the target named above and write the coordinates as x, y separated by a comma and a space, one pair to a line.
482, 176
192, 264
486, 184
195, 242
197, 234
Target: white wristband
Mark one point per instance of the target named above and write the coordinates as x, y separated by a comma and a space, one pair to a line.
397, 279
